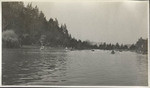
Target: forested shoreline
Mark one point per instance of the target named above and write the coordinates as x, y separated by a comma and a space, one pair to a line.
28, 26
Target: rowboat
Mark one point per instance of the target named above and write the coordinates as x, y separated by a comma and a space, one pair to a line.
42, 47
112, 52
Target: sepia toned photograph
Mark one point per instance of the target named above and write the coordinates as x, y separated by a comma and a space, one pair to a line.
74, 43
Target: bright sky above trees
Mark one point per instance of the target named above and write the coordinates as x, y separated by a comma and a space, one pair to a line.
111, 22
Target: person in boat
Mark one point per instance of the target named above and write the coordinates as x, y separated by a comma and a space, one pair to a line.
112, 52
42, 46
92, 50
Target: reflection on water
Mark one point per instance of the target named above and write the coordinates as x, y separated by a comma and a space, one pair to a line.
142, 68
84, 67
29, 66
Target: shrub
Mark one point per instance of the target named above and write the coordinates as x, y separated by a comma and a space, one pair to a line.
10, 39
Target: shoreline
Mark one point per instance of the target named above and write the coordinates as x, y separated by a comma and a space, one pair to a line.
69, 48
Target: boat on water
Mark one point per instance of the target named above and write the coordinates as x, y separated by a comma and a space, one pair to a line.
120, 50
92, 50
112, 52
42, 47
71, 49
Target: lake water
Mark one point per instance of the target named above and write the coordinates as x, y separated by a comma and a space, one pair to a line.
79, 67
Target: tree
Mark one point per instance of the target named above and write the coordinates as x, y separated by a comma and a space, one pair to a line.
132, 47
142, 45
29, 25
117, 46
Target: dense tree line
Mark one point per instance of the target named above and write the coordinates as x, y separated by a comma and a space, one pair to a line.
113, 46
141, 46
30, 25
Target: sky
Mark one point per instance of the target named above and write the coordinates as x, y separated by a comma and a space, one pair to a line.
110, 22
